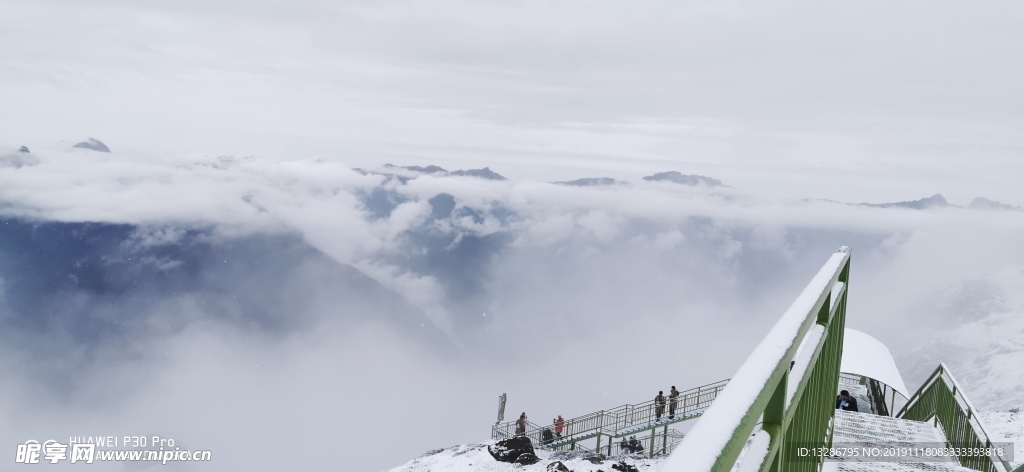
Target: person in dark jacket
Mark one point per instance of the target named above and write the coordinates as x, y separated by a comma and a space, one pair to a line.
845, 402
624, 446
548, 436
634, 445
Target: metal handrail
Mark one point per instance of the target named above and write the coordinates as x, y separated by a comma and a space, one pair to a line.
945, 400
877, 397
623, 419
758, 391
661, 444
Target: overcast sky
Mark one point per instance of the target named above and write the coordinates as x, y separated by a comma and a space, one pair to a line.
920, 97
866, 101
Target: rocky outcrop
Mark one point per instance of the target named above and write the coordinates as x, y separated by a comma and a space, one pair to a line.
624, 467
527, 458
509, 450
557, 466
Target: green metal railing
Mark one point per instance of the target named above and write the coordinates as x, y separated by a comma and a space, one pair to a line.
786, 387
658, 444
621, 421
877, 394
941, 398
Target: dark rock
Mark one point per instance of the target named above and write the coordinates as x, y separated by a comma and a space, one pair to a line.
624, 467
527, 458
685, 179
93, 144
596, 459
557, 466
24, 149
432, 452
509, 450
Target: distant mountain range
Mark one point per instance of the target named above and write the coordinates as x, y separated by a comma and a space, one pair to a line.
985, 203
402, 173
485, 173
685, 179
938, 201
591, 182
405, 173
99, 282
672, 176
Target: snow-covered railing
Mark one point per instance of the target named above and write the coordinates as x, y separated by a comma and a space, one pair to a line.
621, 421
757, 394
941, 397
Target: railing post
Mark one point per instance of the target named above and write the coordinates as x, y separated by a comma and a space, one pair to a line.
664, 440
650, 447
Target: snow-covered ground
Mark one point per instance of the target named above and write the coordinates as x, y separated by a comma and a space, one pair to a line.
977, 329
1004, 426
475, 458
1007, 426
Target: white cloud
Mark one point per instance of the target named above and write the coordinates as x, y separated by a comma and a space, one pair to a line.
880, 106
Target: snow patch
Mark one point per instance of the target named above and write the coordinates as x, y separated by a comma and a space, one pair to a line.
475, 458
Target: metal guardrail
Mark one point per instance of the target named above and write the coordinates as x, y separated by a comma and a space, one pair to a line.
877, 396
758, 393
659, 444
940, 397
620, 421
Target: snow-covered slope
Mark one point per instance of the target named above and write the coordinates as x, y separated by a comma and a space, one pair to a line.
1007, 426
475, 458
977, 328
